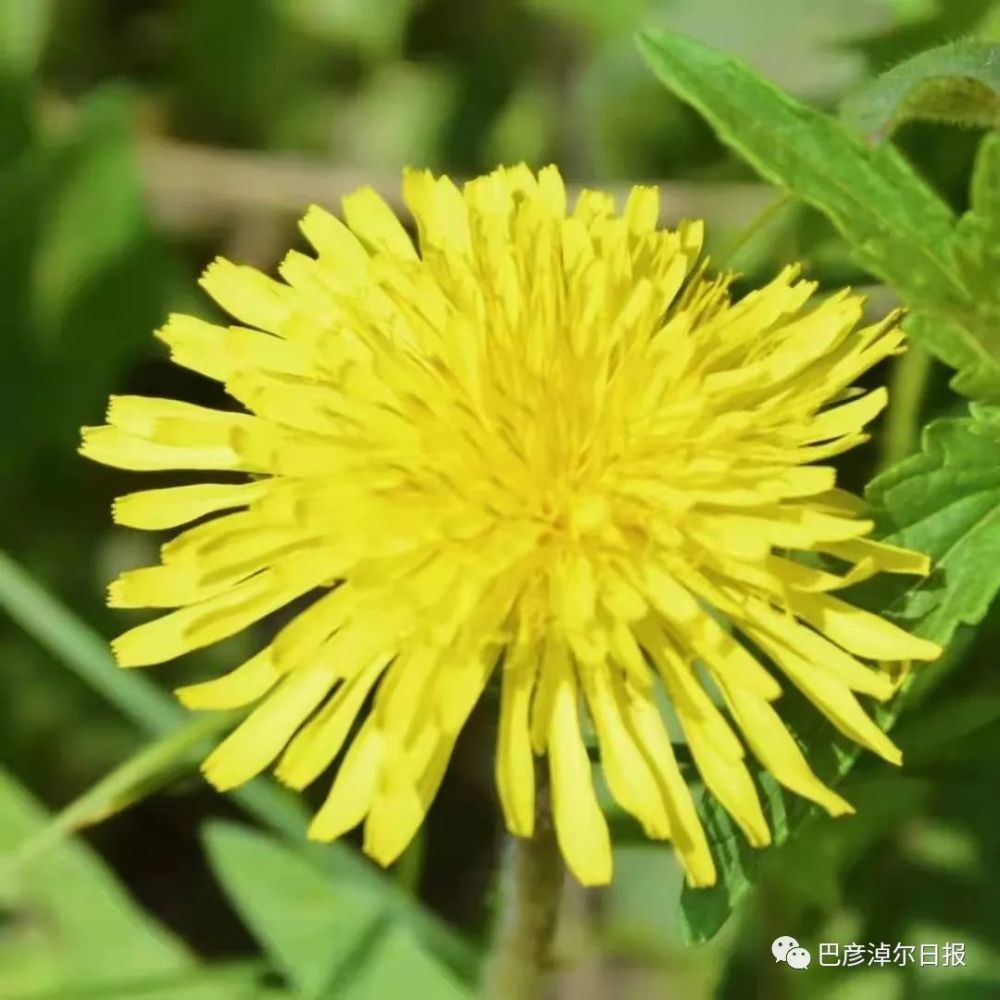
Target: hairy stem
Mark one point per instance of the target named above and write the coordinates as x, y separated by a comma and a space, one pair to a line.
531, 888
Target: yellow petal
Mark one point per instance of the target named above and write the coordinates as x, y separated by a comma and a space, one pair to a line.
201, 624
321, 739
807, 578
686, 691
688, 834
629, 778
722, 769
218, 352
777, 750
814, 648
440, 211
242, 686
336, 245
313, 626
374, 223
888, 558
115, 447
515, 765
833, 699
859, 631
161, 587
354, 787
154, 510
248, 295
554, 664
642, 210
404, 797
258, 740
581, 829
848, 418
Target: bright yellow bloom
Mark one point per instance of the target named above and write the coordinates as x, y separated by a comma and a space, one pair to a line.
544, 445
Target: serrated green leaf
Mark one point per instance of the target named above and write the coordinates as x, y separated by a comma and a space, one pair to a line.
945, 501
899, 229
970, 347
739, 866
985, 192
977, 236
309, 923
956, 84
975, 244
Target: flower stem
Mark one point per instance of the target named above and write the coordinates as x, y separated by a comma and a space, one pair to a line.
910, 377
532, 882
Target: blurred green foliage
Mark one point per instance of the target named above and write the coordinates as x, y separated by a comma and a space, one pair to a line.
98, 243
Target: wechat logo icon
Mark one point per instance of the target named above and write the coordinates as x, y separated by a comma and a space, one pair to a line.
786, 949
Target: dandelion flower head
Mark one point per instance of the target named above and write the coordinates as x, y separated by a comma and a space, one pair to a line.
541, 445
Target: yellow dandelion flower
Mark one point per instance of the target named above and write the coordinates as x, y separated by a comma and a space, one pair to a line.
544, 445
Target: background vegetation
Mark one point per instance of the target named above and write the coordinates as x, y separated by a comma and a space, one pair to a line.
140, 138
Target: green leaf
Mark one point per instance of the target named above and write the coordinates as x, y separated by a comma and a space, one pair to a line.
308, 922
985, 193
82, 650
871, 194
60, 914
945, 501
401, 967
956, 84
899, 229
739, 866
977, 236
